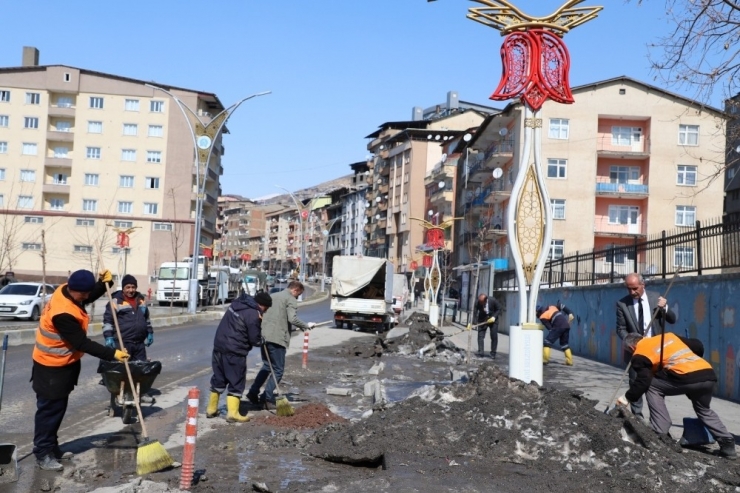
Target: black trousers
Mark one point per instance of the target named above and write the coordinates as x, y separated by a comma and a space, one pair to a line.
482, 337
49, 416
229, 373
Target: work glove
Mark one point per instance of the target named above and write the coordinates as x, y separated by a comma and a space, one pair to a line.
121, 356
491, 320
105, 276
110, 342
149, 339
311, 325
622, 401
571, 317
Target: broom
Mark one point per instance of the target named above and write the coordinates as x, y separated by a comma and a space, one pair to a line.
151, 455
283, 406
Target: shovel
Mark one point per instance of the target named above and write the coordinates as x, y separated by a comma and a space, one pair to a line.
8, 451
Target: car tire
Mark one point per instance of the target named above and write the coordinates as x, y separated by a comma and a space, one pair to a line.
35, 314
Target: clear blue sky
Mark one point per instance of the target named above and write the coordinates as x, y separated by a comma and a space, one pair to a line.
336, 69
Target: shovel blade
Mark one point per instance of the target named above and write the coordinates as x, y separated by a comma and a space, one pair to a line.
8, 463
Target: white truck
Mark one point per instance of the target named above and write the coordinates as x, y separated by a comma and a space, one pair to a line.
224, 283
362, 292
400, 292
173, 281
254, 281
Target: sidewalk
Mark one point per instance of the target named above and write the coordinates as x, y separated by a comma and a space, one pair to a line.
597, 381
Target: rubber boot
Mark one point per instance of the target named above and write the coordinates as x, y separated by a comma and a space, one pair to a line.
568, 357
727, 448
212, 409
545, 355
232, 406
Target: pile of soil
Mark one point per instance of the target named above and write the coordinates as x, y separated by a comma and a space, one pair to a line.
533, 432
306, 417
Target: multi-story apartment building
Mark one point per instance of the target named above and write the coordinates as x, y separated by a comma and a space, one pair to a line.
243, 241
626, 160
403, 154
283, 233
354, 204
85, 155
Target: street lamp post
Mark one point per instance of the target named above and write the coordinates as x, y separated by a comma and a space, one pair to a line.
204, 135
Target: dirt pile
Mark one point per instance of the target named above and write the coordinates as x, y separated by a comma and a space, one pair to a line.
468, 430
422, 338
305, 417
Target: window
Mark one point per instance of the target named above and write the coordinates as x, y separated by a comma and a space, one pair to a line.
403, 218
92, 179
83, 249
153, 156
33, 98
5, 96
64, 102
89, 205
30, 122
150, 208
2, 200
96, 102
556, 168
626, 136
558, 128
688, 135
156, 106
3, 147
624, 174
557, 249
31, 246
4, 120
59, 179
131, 105
25, 202
558, 208
94, 127
130, 129
56, 204
125, 207
683, 257
686, 175
2, 174
28, 175
126, 181
123, 224
156, 131
151, 182
685, 215
162, 226
85, 222
61, 152
731, 173
34, 219
128, 155
623, 214
619, 254
67, 77
93, 153
63, 126
29, 149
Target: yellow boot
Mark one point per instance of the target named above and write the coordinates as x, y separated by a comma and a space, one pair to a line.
212, 409
568, 357
545, 355
232, 406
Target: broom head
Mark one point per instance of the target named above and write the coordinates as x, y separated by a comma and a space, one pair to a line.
283, 407
152, 457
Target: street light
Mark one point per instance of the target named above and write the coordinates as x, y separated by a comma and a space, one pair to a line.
204, 135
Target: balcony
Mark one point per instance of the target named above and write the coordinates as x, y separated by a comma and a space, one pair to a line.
622, 228
606, 147
383, 188
56, 188
61, 162
625, 190
58, 136
65, 111
500, 191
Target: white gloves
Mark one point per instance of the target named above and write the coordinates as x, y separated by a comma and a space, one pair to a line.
622, 401
571, 317
311, 325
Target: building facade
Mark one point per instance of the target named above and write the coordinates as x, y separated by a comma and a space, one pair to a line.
354, 204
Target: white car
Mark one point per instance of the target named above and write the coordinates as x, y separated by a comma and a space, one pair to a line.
24, 300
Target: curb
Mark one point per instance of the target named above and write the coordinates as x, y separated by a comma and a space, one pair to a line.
324, 297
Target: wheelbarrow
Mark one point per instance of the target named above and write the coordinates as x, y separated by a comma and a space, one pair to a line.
116, 381
8, 451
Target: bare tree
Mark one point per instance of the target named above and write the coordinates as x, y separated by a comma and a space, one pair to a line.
11, 228
176, 240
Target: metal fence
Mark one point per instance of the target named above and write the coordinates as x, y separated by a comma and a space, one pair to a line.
708, 247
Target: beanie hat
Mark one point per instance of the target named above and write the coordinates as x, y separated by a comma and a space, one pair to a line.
129, 279
81, 280
263, 299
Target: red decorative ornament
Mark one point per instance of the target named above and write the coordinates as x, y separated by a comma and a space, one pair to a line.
208, 252
304, 214
246, 257
414, 265
427, 261
535, 66
436, 238
122, 240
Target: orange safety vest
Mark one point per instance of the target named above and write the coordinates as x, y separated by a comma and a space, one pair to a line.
549, 313
677, 357
51, 349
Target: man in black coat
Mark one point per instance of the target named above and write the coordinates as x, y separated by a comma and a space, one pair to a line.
634, 313
487, 310
238, 332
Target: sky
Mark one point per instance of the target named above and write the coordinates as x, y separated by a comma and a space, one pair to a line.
337, 69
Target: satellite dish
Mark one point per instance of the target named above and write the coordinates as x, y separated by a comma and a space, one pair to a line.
467, 137
378, 199
437, 137
382, 147
503, 132
444, 157
430, 213
737, 149
325, 232
366, 221
367, 204
441, 185
498, 173
429, 137
469, 195
377, 216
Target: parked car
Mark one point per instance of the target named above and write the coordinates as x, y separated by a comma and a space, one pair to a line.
282, 279
23, 300
275, 290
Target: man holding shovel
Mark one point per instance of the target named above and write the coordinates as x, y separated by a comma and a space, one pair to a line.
61, 341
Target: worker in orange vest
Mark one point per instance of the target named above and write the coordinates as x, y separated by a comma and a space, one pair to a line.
667, 364
556, 319
61, 341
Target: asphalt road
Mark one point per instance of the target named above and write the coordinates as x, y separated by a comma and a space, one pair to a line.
185, 353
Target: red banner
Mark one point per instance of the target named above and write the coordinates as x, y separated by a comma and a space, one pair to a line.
122, 240
436, 238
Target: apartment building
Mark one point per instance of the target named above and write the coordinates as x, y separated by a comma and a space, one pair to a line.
85, 156
627, 160
243, 241
403, 154
354, 203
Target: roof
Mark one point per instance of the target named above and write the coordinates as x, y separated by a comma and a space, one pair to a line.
421, 124
203, 94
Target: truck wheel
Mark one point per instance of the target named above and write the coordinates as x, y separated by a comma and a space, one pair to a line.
338, 323
163, 303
